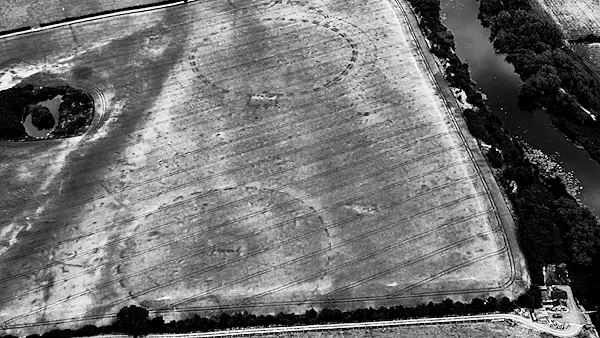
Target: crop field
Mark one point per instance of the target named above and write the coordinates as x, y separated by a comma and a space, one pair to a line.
577, 18
21, 13
264, 156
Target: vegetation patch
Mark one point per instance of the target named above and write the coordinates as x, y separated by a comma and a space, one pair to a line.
41, 117
75, 112
553, 77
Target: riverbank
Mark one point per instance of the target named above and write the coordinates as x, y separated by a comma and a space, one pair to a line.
553, 78
549, 220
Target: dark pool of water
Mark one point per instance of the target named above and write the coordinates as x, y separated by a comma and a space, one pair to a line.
497, 79
52, 105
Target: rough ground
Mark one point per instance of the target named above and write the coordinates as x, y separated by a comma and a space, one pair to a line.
267, 155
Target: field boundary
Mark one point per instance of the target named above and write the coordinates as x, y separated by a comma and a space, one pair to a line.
92, 17
572, 331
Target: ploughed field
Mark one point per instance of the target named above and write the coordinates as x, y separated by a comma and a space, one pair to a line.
264, 156
577, 18
21, 13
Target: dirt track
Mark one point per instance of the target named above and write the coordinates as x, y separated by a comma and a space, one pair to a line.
271, 157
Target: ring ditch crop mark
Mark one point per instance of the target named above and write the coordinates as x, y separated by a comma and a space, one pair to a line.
270, 97
85, 292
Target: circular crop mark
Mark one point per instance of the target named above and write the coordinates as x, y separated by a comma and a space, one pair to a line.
276, 57
205, 258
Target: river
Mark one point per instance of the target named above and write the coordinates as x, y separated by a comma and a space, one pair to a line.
496, 79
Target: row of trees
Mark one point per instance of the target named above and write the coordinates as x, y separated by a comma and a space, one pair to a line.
75, 111
16, 30
133, 320
551, 223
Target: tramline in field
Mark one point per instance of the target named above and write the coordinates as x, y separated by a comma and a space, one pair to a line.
264, 156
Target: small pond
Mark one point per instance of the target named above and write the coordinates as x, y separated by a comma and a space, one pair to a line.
52, 105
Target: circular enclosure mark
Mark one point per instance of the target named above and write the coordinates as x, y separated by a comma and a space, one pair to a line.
279, 65
246, 230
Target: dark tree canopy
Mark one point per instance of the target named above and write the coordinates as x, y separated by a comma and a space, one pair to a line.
551, 223
41, 117
132, 320
75, 111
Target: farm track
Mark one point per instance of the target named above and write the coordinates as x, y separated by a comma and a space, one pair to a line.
329, 136
571, 332
80, 17
99, 114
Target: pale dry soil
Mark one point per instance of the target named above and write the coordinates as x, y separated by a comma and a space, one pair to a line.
577, 18
467, 330
21, 13
264, 156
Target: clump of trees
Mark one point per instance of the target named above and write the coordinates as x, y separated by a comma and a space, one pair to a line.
75, 111
132, 320
41, 118
590, 38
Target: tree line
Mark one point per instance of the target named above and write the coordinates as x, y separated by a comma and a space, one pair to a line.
133, 320
552, 227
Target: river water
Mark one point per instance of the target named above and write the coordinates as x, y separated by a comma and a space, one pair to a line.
497, 79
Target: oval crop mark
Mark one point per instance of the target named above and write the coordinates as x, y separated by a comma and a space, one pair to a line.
265, 226
284, 56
